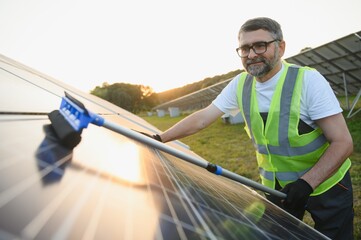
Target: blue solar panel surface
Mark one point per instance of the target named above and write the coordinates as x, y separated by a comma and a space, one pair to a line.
109, 186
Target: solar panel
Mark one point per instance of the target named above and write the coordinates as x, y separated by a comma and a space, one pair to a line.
196, 100
109, 186
339, 61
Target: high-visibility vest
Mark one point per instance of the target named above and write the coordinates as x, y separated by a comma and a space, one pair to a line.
282, 153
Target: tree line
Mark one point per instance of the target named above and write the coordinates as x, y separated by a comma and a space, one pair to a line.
138, 98
134, 98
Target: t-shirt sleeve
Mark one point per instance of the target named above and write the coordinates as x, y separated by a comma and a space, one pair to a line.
226, 101
321, 101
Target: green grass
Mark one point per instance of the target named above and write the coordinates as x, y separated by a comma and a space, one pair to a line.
229, 146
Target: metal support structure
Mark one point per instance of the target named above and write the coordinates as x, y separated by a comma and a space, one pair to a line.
346, 92
350, 114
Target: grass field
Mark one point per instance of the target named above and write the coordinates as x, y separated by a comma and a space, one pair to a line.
229, 146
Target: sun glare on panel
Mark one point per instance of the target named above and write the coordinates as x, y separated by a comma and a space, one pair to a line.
108, 154
126, 165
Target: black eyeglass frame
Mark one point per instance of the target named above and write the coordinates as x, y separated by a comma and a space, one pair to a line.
254, 50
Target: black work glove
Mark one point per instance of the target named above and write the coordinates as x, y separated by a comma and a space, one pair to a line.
298, 193
154, 136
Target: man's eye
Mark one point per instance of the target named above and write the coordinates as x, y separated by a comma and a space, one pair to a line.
259, 45
245, 48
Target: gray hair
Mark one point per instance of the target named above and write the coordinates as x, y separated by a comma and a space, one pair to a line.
263, 23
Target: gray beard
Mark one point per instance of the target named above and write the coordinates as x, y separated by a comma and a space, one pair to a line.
261, 71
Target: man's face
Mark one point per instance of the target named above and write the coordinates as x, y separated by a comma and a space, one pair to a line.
263, 52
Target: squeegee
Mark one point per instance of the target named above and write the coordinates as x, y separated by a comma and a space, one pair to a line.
72, 117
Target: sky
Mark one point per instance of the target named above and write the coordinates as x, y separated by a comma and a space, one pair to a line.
162, 44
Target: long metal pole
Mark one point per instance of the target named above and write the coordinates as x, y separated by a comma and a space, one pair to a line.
199, 162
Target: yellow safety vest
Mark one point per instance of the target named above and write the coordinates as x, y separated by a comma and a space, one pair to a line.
282, 153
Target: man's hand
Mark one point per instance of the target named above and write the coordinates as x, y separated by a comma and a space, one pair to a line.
154, 136
298, 193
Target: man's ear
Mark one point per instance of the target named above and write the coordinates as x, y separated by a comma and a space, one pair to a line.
282, 48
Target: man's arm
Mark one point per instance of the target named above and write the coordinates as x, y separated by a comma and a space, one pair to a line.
341, 146
192, 124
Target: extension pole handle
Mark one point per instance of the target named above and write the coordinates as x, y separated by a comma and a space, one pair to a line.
177, 153
253, 184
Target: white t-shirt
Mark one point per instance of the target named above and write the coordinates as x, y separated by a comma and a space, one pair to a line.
317, 99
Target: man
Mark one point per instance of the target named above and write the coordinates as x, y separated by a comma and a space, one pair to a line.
296, 124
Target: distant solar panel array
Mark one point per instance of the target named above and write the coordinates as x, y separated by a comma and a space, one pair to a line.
109, 186
339, 61
196, 100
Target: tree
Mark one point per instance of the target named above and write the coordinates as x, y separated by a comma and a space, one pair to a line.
134, 98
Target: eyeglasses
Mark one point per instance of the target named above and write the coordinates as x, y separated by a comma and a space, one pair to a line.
257, 47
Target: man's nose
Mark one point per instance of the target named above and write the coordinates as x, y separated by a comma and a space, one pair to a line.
252, 53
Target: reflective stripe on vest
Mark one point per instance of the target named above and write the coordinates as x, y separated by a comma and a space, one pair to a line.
282, 176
